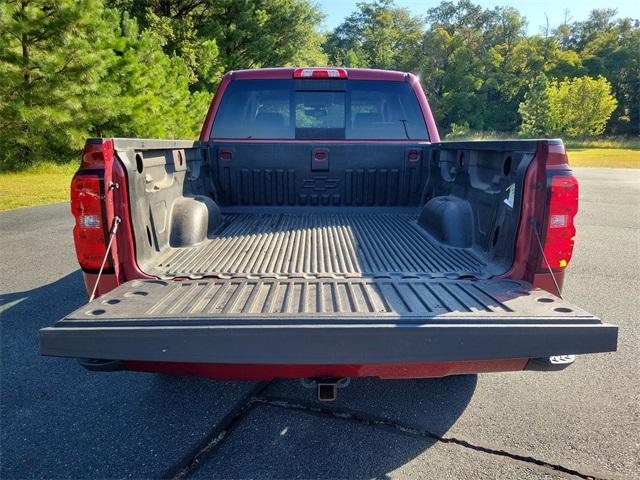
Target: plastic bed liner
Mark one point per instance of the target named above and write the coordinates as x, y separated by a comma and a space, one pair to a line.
314, 244
326, 321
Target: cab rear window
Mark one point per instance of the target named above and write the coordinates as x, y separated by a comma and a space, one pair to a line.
316, 109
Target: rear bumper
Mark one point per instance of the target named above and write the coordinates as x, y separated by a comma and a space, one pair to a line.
328, 344
256, 372
220, 371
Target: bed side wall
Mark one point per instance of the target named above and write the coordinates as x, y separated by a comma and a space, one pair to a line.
172, 198
474, 197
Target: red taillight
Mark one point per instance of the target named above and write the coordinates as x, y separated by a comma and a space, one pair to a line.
88, 232
561, 232
320, 73
557, 156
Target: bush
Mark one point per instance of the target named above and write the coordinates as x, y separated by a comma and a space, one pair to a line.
582, 106
459, 130
576, 107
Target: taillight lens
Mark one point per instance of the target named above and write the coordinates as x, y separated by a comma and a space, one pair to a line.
88, 233
561, 232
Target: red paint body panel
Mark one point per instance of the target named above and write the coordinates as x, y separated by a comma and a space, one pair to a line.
211, 114
384, 371
108, 281
545, 281
129, 269
432, 129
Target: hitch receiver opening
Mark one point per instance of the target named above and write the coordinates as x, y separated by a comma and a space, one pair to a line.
327, 392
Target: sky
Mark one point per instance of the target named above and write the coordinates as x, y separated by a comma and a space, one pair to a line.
533, 10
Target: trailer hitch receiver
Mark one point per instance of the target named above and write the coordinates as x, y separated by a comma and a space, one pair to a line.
326, 388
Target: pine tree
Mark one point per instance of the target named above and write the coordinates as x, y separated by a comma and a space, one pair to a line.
148, 90
52, 57
536, 109
72, 69
217, 36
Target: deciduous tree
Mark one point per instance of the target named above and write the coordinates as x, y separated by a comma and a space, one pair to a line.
377, 35
582, 106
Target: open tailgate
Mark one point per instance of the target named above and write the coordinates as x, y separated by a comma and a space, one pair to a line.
326, 321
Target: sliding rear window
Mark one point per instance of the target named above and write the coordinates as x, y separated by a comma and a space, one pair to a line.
319, 110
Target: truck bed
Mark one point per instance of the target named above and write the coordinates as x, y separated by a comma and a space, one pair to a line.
385, 254
243, 209
317, 244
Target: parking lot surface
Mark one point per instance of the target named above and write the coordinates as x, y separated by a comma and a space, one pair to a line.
60, 421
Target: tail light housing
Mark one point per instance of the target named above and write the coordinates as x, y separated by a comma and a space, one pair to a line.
87, 194
88, 205
560, 232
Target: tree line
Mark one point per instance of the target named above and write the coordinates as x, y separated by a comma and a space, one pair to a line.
71, 69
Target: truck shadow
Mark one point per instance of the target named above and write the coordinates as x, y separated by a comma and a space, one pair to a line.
64, 422
61, 421
373, 428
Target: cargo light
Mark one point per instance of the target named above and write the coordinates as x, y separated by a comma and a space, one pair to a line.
320, 73
561, 231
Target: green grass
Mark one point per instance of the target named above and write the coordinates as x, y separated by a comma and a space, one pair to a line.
37, 185
604, 152
625, 143
604, 157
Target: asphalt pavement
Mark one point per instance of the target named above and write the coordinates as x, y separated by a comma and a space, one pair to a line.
60, 421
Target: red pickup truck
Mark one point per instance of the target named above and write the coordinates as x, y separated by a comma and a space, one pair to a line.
319, 228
